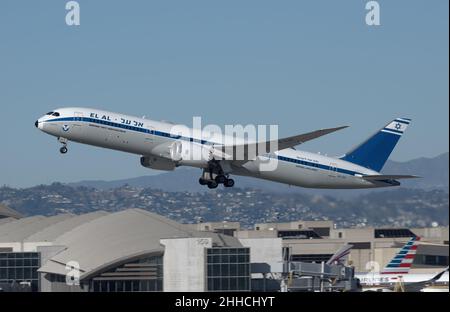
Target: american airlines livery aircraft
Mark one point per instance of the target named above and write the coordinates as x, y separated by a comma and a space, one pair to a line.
161, 147
397, 270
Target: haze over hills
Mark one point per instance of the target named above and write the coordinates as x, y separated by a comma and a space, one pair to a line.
178, 196
399, 207
434, 172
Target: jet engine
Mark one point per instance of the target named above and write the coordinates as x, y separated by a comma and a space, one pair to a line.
158, 163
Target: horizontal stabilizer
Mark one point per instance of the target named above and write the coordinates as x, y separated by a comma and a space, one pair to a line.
380, 177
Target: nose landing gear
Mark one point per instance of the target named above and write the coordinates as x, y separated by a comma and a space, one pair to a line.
63, 141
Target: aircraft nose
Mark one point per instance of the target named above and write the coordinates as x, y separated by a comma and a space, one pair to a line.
36, 123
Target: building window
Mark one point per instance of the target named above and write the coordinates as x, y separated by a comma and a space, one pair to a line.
317, 258
229, 232
361, 245
18, 270
392, 233
322, 231
430, 260
298, 234
143, 275
228, 269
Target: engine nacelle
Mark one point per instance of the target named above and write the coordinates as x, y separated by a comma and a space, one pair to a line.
158, 163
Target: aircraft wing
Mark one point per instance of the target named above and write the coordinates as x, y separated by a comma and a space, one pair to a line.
251, 150
380, 177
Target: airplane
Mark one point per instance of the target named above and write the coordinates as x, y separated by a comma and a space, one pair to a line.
397, 271
162, 148
341, 255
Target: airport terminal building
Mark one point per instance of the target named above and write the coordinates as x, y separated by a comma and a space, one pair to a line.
130, 250
135, 250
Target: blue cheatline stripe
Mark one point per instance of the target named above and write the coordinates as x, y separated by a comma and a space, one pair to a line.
316, 165
132, 128
204, 142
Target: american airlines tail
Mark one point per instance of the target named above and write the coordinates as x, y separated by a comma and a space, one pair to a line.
374, 152
403, 260
397, 271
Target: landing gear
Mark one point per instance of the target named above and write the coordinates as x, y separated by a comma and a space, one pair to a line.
220, 179
214, 175
228, 183
63, 141
212, 184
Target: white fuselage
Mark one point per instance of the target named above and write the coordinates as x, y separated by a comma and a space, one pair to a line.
156, 139
379, 280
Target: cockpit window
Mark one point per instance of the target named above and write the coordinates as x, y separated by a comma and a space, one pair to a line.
55, 114
49, 113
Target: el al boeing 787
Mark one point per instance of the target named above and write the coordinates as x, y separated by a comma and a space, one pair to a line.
161, 147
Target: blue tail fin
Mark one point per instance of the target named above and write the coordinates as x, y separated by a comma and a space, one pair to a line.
374, 152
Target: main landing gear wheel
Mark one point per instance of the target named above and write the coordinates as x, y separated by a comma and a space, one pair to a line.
214, 175
63, 150
228, 183
212, 184
220, 179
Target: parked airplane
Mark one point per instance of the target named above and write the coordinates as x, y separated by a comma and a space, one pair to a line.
341, 255
397, 271
162, 149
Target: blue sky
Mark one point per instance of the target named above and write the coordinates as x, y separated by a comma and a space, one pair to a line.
300, 64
